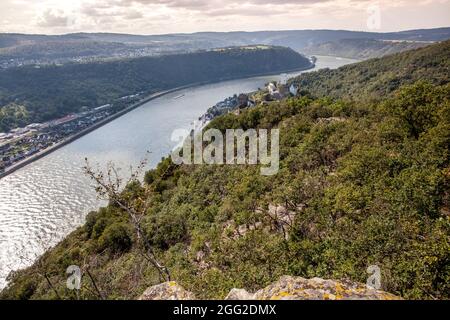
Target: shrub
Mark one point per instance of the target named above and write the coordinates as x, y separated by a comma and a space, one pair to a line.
91, 220
116, 237
167, 230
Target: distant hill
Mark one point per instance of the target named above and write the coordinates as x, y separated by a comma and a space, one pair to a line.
30, 49
29, 94
362, 49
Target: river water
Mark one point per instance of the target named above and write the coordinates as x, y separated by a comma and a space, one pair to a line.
44, 201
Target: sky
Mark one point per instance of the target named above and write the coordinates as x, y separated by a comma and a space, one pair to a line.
187, 16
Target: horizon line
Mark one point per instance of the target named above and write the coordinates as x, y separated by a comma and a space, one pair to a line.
199, 32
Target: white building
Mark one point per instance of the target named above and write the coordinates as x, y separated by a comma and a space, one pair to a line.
293, 89
272, 88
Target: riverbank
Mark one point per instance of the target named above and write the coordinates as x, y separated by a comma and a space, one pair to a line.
116, 115
83, 132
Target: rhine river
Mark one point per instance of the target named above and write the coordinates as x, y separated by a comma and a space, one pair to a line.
47, 199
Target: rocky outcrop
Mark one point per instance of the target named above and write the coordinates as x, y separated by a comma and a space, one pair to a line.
239, 294
287, 288
167, 291
275, 218
297, 288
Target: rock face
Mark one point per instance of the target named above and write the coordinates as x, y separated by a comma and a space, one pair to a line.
167, 291
239, 294
287, 288
297, 288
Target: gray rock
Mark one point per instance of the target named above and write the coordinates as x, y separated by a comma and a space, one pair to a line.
286, 288
167, 291
239, 294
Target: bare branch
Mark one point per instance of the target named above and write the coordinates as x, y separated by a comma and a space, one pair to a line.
136, 208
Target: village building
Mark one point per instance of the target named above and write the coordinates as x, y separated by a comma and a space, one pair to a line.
242, 100
293, 89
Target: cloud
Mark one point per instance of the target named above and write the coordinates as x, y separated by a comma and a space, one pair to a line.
206, 9
133, 15
54, 18
214, 5
101, 11
187, 4
167, 16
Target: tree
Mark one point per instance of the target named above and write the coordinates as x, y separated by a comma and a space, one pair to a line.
109, 187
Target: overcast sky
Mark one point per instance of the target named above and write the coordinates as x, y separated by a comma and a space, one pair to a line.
174, 16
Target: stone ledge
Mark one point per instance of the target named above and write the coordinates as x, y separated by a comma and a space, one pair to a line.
286, 288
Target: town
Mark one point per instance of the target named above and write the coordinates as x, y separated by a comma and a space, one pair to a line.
22, 143
274, 91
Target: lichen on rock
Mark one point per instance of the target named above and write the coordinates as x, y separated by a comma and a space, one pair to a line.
239, 294
298, 288
286, 288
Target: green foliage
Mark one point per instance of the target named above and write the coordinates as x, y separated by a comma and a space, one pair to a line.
166, 230
13, 113
116, 237
377, 78
25, 290
91, 220
416, 107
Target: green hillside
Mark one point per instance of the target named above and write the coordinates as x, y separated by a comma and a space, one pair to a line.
364, 177
29, 94
378, 78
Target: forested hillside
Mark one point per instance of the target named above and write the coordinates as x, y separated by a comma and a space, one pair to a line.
362, 181
29, 94
377, 78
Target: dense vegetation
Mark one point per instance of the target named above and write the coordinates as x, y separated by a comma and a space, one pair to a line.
367, 179
29, 94
380, 77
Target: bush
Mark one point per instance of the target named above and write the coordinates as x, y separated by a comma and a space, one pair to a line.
26, 290
116, 237
98, 228
91, 220
167, 230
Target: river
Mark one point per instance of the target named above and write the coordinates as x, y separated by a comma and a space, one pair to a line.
47, 199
